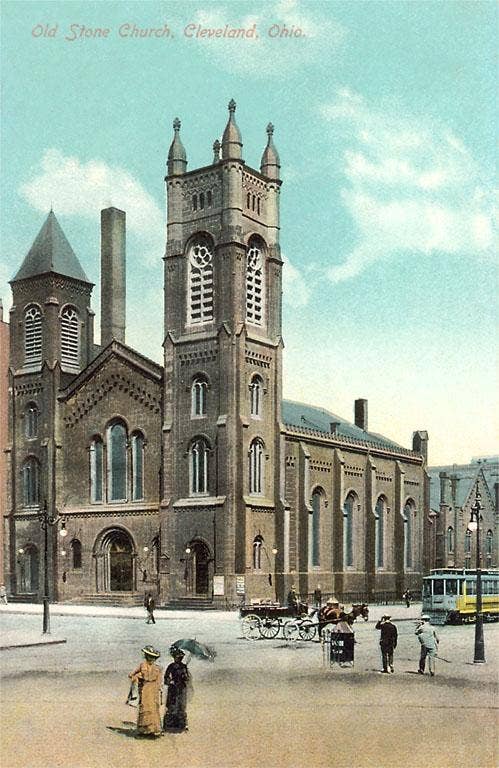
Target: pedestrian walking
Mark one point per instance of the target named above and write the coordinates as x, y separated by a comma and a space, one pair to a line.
178, 682
3, 595
387, 642
407, 598
429, 641
148, 679
150, 605
318, 596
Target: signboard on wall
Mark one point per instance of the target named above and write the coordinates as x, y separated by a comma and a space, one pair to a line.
240, 588
218, 585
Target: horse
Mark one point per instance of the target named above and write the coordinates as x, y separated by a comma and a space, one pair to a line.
360, 609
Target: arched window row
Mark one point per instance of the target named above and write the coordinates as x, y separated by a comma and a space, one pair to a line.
122, 462
200, 281
202, 200
70, 337
256, 467
32, 335
253, 202
31, 420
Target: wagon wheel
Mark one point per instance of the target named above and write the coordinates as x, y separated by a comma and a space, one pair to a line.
291, 630
250, 627
269, 628
307, 630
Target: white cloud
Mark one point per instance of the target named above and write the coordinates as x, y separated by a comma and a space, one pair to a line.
409, 186
273, 53
296, 289
77, 188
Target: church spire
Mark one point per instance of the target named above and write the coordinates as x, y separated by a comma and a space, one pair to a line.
270, 163
231, 140
177, 158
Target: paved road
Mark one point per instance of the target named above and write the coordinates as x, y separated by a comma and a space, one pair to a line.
261, 703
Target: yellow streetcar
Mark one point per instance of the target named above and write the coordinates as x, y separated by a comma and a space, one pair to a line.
449, 595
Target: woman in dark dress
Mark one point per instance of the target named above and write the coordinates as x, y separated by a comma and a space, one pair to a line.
178, 682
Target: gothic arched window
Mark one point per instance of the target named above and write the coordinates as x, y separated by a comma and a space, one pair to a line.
256, 467
489, 542
467, 544
32, 335
199, 390
31, 420
137, 466
256, 397
379, 514
117, 462
315, 528
96, 469
254, 284
199, 466
348, 511
257, 553
200, 300
76, 553
409, 512
70, 337
31, 481
450, 539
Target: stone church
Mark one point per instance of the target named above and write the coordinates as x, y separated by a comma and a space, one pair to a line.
194, 479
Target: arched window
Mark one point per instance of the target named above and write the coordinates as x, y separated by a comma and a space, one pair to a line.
258, 205
450, 539
379, 548
199, 390
409, 511
248, 200
314, 528
137, 466
200, 281
199, 466
257, 553
76, 553
96, 469
209, 198
116, 462
348, 510
489, 543
70, 337
253, 200
194, 202
256, 397
31, 420
254, 284
467, 544
31, 481
32, 335
256, 467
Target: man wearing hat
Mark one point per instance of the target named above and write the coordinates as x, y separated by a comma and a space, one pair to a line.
178, 682
148, 679
387, 641
429, 645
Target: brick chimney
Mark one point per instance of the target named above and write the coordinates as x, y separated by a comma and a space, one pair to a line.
361, 414
420, 443
113, 275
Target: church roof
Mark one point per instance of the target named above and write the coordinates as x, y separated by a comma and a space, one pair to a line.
466, 476
51, 252
310, 417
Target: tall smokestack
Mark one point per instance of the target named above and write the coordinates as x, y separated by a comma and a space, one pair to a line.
113, 275
361, 414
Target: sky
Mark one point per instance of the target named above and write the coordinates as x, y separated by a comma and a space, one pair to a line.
384, 116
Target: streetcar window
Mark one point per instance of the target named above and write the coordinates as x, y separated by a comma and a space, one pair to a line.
426, 588
451, 587
470, 587
438, 586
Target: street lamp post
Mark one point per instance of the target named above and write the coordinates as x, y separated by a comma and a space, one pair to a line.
47, 520
474, 525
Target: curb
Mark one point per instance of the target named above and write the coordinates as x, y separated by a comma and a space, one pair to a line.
31, 645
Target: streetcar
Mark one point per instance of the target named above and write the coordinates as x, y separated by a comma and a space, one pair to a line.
449, 595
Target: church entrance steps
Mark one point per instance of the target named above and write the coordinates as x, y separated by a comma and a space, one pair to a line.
108, 598
190, 604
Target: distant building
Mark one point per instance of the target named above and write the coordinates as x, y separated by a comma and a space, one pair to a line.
4, 426
452, 494
194, 479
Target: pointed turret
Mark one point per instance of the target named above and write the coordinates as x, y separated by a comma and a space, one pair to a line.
51, 252
270, 163
231, 140
177, 158
216, 151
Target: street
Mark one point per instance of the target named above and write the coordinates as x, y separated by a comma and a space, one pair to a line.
260, 703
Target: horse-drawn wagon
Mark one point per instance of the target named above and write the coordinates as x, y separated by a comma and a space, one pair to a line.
266, 619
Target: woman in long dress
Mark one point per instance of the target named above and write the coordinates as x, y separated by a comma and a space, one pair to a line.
178, 680
148, 678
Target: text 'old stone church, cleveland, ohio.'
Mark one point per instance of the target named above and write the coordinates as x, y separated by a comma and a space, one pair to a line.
194, 480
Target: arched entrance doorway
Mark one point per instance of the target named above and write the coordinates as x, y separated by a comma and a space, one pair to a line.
28, 569
197, 576
116, 562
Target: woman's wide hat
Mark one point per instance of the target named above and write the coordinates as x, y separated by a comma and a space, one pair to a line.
148, 650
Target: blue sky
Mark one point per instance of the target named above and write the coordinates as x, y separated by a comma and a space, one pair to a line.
384, 117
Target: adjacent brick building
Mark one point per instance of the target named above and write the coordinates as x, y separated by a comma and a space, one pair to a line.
194, 479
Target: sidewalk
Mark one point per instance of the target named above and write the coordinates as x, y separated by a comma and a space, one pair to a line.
19, 638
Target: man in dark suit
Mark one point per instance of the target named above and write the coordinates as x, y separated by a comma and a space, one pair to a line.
150, 605
388, 641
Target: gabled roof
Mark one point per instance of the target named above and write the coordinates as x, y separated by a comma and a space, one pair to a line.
466, 476
51, 252
310, 417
